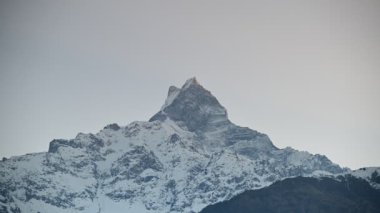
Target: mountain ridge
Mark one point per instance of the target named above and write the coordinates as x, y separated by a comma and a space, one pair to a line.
187, 156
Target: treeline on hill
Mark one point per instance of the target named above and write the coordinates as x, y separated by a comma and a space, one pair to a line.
302, 194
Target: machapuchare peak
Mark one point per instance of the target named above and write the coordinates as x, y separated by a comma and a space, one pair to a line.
193, 106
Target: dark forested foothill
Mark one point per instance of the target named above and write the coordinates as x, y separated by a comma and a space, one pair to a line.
302, 194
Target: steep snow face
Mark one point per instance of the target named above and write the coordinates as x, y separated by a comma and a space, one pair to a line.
188, 156
172, 94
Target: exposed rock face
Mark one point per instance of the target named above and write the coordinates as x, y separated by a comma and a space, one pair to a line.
112, 126
193, 107
189, 155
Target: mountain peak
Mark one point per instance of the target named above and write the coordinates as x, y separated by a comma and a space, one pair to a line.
192, 106
189, 82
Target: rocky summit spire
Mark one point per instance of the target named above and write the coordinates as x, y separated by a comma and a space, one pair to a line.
193, 107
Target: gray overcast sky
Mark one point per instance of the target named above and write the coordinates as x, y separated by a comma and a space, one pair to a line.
304, 72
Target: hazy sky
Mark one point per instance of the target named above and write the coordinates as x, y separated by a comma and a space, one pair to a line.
307, 73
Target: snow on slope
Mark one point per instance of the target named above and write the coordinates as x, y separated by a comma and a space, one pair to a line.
370, 174
189, 155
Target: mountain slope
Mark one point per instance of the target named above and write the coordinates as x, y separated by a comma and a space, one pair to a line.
302, 194
187, 156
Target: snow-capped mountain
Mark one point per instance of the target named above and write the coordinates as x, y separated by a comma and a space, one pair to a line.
187, 156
